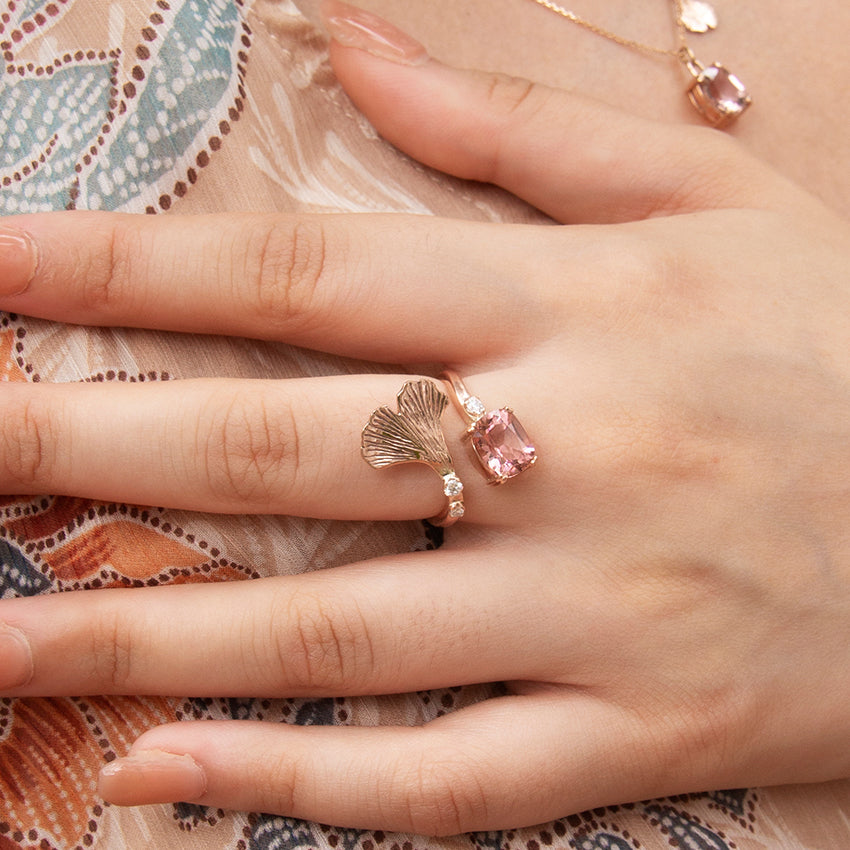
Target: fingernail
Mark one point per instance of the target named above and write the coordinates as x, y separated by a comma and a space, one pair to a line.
16, 666
151, 776
355, 27
18, 260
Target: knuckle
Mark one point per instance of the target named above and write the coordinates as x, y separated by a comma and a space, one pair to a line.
656, 445
248, 450
28, 441
104, 273
507, 94
639, 284
111, 654
641, 270
285, 268
701, 731
512, 102
277, 781
323, 645
441, 794
642, 264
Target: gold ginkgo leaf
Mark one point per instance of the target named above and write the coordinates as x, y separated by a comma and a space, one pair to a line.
411, 435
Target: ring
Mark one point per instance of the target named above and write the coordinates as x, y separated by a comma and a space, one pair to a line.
498, 440
414, 435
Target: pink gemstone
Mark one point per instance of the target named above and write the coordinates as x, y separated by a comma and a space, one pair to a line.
502, 444
719, 95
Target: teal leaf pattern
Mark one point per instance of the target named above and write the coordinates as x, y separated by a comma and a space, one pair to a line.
97, 129
46, 124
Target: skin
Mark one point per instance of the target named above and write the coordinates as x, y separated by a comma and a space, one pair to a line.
667, 592
793, 60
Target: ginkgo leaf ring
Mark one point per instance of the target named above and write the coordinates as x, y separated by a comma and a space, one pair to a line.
413, 434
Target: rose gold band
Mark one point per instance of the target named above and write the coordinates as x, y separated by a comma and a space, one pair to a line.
469, 406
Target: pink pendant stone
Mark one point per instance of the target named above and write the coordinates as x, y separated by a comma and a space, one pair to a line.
502, 444
718, 95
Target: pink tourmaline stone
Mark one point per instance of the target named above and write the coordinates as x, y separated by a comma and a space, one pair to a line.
719, 95
502, 444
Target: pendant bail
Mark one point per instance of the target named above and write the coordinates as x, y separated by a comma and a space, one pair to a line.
689, 60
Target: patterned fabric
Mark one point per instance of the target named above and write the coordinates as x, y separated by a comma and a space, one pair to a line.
199, 106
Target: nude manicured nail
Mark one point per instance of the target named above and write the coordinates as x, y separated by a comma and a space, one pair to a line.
18, 260
15, 658
151, 776
355, 27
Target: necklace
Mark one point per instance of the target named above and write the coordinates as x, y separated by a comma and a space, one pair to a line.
717, 94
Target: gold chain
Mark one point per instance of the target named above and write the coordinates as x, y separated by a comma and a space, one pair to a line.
619, 39
717, 94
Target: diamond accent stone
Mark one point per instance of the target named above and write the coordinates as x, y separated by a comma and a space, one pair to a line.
502, 444
718, 95
456, 510
474, 407
452, 485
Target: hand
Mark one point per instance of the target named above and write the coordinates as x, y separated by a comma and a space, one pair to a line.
667, 592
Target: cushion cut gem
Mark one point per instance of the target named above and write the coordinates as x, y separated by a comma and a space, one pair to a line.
502, 444
719, 95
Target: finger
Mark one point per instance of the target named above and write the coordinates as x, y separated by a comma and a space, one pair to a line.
216, 445
289, 447
394, 288
460, 773
356, 630
572, 157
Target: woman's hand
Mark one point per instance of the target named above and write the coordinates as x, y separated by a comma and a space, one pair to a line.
667, 592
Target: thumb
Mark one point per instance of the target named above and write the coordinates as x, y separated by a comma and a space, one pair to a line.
570, 156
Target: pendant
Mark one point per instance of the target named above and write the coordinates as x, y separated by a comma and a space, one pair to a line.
715, 92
